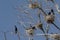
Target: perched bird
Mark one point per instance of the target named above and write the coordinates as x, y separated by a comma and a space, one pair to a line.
16, 30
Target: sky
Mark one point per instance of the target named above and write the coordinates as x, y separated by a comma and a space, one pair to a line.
8, 18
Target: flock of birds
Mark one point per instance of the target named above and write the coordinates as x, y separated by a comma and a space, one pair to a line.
49, 18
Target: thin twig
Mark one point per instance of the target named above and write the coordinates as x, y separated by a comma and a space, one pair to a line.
39, 20
47, 28
26, 12
55, 25
44, 13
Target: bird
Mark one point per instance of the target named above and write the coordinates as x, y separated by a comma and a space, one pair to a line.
16, 30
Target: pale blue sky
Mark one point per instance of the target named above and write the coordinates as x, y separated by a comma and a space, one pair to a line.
8, 18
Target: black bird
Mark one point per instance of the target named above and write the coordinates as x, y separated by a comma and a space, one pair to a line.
16, 30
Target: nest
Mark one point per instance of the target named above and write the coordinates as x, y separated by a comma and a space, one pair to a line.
49, 18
